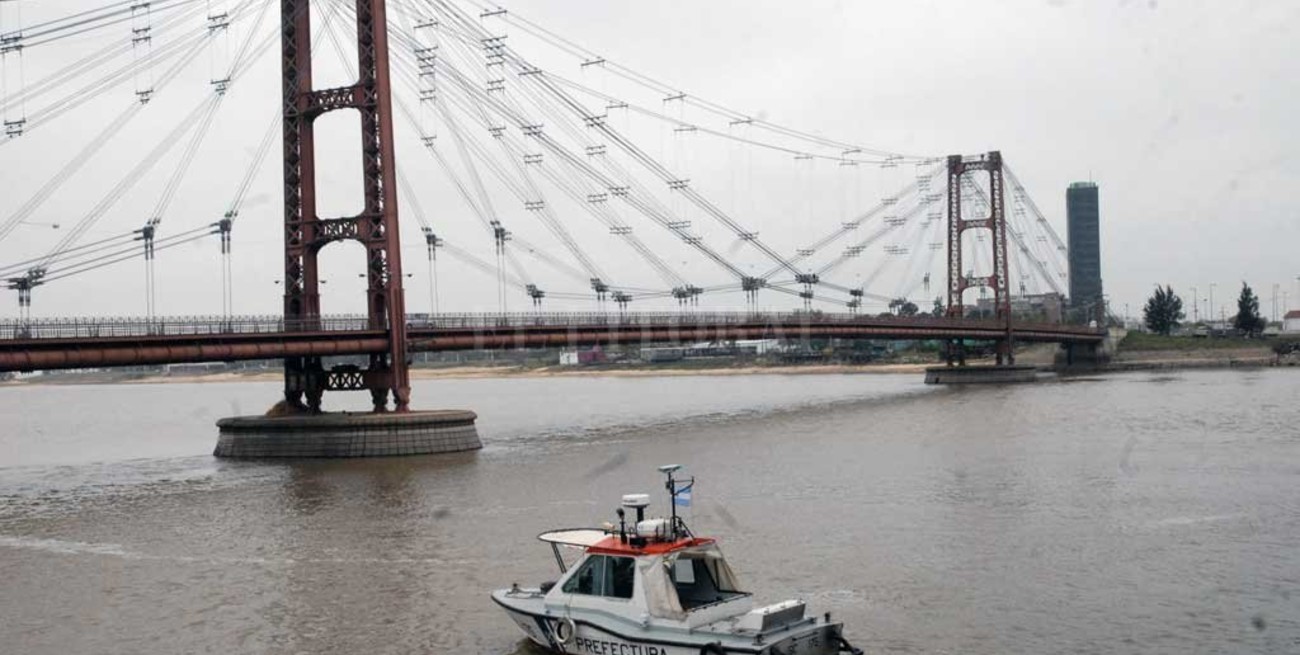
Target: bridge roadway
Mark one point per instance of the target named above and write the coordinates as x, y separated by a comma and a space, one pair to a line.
95, 343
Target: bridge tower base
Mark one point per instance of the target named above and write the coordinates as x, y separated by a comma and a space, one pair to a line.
1002, 374
348, 435
297, 427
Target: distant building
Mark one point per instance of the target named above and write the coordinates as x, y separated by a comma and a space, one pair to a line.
582, 357
1291, 322
1083, 218
1042, 308
757, 346
665, 354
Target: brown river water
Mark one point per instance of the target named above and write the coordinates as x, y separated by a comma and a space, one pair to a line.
1133, 513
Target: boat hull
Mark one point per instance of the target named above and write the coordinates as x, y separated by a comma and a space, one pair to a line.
588, 638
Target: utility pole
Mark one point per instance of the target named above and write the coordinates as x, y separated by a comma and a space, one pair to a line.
1212, 301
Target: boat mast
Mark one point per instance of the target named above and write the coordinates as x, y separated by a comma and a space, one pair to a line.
671, 485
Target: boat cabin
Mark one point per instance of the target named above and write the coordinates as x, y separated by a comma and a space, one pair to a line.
684, 580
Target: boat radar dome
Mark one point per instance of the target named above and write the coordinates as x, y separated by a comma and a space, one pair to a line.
636, 501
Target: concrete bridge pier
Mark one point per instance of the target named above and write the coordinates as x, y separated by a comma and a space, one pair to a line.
1088, 356
999, 374
1004, 371
343, 434
1081, 356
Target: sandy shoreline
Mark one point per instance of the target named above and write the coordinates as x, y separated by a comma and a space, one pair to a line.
484, 372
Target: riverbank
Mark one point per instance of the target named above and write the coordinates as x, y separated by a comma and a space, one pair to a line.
1144, 360
1142, 351
481, 372
1137, 352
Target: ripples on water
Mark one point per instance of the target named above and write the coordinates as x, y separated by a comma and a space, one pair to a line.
1129, 513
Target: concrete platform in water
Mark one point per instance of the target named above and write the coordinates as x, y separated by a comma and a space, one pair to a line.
348, 435
980, 374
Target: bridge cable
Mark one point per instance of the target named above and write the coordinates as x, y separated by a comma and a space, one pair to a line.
71, 253
645, 205
75, 163
643, 80
66, 28
635, 152
187, 47
201, 117
528, 193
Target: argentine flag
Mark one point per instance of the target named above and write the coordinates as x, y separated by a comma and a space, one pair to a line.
683, 496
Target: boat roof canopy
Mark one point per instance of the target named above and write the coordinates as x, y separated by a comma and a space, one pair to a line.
576, 537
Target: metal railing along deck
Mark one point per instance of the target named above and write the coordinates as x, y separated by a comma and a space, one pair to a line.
125, 327
104, 328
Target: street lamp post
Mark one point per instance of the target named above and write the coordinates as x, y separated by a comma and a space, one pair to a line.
1212, 285
1196, 305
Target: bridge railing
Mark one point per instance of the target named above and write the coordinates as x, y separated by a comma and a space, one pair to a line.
95, 327
659, 319
634, 319
103, 328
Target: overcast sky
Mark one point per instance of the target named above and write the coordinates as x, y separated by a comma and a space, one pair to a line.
1182, 112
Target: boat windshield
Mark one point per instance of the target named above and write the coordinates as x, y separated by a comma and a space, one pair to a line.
603, 575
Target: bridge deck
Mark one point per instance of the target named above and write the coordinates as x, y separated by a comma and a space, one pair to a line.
93, 343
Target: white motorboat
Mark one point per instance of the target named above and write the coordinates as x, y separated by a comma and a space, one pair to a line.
652, 587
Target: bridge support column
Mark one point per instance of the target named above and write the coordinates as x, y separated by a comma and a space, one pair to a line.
376, 227
998, 279
1006, 351
1081, 357
955, 352
956, 371
302, 430
980, 374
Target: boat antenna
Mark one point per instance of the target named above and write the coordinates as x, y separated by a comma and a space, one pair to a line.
622, 526
671, 485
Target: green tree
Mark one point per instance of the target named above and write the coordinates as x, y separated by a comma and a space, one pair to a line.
939, 309
1248, 320
1163, 311
903, 307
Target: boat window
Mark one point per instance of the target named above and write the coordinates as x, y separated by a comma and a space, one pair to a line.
585, 579
619, 572
602, 575
695, 581
684, 571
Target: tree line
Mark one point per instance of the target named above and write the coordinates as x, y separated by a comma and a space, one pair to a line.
1163, 312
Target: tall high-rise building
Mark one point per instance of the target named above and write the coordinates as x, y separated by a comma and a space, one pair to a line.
1082, 214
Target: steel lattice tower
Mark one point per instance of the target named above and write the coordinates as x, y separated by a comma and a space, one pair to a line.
996, 222
305, 232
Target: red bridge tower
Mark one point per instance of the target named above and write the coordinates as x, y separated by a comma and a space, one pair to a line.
305, 232
996, 222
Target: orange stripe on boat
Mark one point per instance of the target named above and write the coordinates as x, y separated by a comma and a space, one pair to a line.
614, 546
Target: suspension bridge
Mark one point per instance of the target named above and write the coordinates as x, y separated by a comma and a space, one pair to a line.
612, 206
